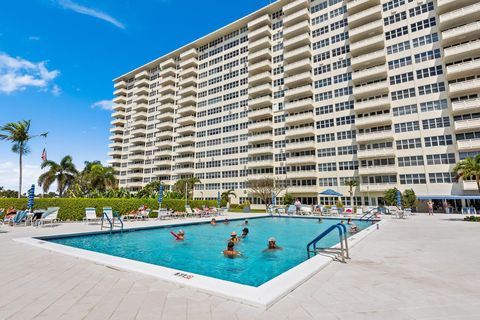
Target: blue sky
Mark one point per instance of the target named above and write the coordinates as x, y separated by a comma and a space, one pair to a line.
58, 59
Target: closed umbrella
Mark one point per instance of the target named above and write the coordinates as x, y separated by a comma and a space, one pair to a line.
160, 195
218, 199
31, 196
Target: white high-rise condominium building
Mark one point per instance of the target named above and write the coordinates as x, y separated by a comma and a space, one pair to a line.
315, 93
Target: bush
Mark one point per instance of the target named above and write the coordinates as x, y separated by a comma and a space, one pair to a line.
472, 218
179, 204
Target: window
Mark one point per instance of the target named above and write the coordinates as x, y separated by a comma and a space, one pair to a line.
326, 137
342, 77
407, 126
427, 23
438, 141
410, 161
344, 63
446, 158
427, 55
441, 177
403, 94
395, 18
327, 182
423, 40
329, 166
398, 63
392, 4
348, 165
347, 105
398, 47
414, 178
396, 33
345, 120
346, 135
326, 152
321, 56
321, 44
325, 124
346, 150
401, 78
421, 9
433, 123
408, 144
404, 110
429, 72
434, 105
324, 110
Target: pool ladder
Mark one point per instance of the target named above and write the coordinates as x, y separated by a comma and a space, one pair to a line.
312, 247
111, 222
369, 215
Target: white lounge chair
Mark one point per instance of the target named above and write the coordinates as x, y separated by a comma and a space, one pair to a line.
90, 215
163, 213
51, 215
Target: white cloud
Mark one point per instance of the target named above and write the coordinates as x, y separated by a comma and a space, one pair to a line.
34, 38
17, 74
68, 4
103, 104
56, 91
9, 176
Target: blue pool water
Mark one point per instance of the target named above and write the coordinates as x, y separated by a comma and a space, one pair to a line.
201, 252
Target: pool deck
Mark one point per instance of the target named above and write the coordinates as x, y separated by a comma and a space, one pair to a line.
419, 268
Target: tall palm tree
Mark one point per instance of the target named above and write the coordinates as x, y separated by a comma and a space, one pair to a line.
352, 183
185, 186
469, 168
100, 178
18, 133
64, 173
225, 196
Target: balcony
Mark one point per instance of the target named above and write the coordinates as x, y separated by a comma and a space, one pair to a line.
191, 62
463, 106
117, 130
141, 91
260, 33
298, 41
187, 101
465, 87
261, 176
368, 45
264, 77
299, 79
356, 6
301, 160
262, 43
190, 53
384, 119
296, 17
260, 163
140, 116
299, 105
136, 148
120, 92
260, 150
138, 140
365, 16
171, 71
298, 92
163, 172
260, 125
166, 89
260, 113
186, 139
119, 107
120, 84
190, 72
162, 125
261, 90
467, 125
295, 146
365, 31
260, 102
299, 66
371, 104
166, 107
305, 117
163, 162
167, 63
186, 120
141, 75
164, 81
462, 51
295, 6
256, 138
464, 33
115, 145
116, 137
303, 189
139, 124
260, 67
299, 132
297, 29
370, 59
468, 145
184, 160
184, 171
264, 54
139, 107
164, 152
163, 143
365, 75
259, 22
460, 16
144, 82
391, 169
186, 129
118, 115
369, 89
380, 187
301, 174
464, 69
468, 185
187, 110
190, 90
119, 100
167, 98
375, 136
185, 149
298, 54
189, 81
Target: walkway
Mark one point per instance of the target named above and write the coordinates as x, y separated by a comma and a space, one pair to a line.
419, 268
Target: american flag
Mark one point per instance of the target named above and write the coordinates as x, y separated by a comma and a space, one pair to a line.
44, 154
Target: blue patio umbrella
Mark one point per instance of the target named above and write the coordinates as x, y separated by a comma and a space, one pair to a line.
218, 199
31, 196
331, 193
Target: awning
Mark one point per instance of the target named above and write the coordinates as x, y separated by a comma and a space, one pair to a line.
449, 197
331, 193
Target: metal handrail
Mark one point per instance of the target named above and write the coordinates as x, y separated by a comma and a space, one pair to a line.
342, 234
108, 219
116, 215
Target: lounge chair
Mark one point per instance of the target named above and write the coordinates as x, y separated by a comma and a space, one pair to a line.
291, 209
90, 215
18, 218
163, 213
51, 215
144, 215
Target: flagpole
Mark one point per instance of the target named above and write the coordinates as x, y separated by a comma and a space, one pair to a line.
44, 158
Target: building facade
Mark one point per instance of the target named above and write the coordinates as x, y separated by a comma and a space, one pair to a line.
313, 93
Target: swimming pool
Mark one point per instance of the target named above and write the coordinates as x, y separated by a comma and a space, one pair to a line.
201, 252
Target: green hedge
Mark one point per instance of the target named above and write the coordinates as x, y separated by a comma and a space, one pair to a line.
74, 208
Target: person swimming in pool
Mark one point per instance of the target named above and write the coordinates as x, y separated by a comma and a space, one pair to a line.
230, 252
180, 235
353, 227
320, 220
213, 222
245, 223
226, 221
244, 232
272, 245
233, 237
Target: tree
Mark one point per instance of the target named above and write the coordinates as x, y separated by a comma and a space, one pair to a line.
225, 196
352, 183
469, 168
64, 173
150, 190
288, 199
390, 197
264, 188
7, 193
18, 133
187, 185
409, 198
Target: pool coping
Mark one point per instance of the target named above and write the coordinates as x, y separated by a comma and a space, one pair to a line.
262, 296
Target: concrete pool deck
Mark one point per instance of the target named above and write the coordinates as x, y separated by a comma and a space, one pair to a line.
419, 268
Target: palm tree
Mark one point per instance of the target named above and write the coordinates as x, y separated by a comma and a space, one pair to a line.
352, 183
185, 186
18, 134
99, 177
64, 173
225, 196
469, 168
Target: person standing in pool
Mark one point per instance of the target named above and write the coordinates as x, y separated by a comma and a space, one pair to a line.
244, 232
226, 221
180, 235
230, 252
245, 223
353, 227
213, 222
233, 237
272, 245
